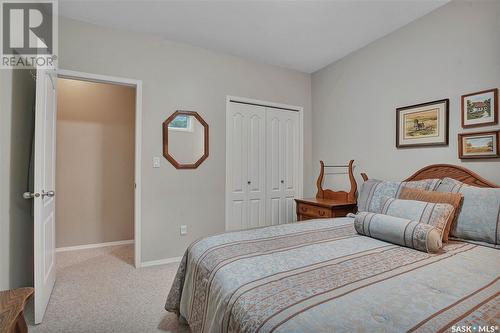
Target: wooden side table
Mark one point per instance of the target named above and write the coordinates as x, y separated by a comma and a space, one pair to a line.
12, 303
322, 208
328, 203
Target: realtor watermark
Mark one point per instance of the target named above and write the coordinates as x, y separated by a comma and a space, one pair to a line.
28, 34
474, 329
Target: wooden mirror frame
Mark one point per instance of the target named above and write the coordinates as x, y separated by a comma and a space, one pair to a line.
166, 153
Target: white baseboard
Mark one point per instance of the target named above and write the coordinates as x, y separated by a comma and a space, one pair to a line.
93, 246
161, 262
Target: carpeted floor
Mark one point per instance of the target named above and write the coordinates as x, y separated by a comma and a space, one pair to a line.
99, 290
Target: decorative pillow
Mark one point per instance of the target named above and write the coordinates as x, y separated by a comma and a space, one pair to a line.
434, 214
372, 191
479, 217
405, 232
453, 199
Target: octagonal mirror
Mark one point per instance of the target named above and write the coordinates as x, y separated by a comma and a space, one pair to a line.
185, 139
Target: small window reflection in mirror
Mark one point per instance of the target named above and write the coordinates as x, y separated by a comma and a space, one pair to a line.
181, 122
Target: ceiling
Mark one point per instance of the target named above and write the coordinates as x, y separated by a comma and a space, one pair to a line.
302, 35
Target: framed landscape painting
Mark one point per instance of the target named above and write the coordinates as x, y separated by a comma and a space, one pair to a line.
479, 145
480, 108
423, 125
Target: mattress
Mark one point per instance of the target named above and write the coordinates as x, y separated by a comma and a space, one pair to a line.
321, 276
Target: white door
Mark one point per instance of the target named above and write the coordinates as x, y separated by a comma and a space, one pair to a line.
291, 149
44, 185
282, 165
245, 165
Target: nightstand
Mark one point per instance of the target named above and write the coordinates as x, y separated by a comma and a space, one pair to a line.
329, 203
322, 208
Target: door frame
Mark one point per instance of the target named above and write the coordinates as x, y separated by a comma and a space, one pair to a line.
286, 107
137, 84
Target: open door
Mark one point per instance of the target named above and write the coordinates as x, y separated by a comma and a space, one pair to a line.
44, 186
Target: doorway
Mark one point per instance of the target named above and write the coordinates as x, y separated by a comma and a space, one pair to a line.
98, 143
44, 185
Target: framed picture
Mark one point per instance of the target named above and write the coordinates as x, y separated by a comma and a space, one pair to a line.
480, 108
423, 124
479, 145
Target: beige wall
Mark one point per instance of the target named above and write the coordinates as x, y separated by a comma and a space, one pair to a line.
452, 51
95, 163
17, 97
181, 77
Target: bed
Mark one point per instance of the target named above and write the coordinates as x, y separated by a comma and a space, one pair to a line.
322, 276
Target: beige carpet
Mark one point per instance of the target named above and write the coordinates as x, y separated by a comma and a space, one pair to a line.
99, 290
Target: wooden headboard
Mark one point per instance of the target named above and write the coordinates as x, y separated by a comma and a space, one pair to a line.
448, 170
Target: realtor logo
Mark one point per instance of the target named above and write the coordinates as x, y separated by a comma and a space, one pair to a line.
29, 34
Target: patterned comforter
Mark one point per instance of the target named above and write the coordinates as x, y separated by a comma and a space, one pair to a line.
321, 276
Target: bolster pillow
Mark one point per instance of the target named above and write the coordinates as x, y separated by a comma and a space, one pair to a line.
405, 232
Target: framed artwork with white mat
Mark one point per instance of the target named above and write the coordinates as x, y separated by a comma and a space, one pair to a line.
479, 145
480, 108
423, 124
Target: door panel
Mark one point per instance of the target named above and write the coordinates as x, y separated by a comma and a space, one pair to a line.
48, 260
238, 214
49, 135
275, 143
290, 213
274, 165
289, 152
282, 159
44, 181
275, 211
237, 168
238, 161
291, 167
256, 213
246, 180
256, 166
255, 142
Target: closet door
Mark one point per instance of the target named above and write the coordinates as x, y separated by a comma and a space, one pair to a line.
282, 165
274, 124
291, 150
256, 167
245, 204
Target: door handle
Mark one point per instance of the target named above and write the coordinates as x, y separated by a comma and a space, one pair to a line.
30, 195
49, 194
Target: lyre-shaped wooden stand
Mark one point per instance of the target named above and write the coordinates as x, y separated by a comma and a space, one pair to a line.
344, 196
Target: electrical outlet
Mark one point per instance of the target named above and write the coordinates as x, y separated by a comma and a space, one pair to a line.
184, 230
156, 162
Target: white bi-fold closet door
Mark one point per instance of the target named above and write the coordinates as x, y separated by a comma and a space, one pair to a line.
263, 163
246, 167
282, 165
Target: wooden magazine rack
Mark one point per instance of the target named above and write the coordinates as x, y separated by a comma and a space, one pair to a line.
328, 194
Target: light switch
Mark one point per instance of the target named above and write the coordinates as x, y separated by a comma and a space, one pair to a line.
184, 230
156, 162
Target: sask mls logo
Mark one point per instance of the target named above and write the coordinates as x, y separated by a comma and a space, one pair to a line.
29, 37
